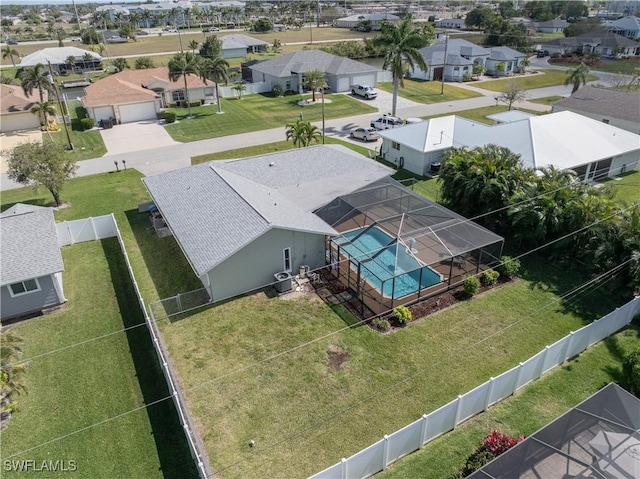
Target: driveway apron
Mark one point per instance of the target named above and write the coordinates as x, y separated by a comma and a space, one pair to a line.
141, 135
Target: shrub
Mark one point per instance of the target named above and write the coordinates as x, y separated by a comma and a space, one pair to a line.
277, 90
87, 123
169, 117
471, 285
491, 447
467, 77
381, 324
509, 268
172, 105
489, 277
402, 314
631, 372
143, 63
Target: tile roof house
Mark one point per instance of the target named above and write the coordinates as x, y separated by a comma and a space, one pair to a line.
15, 109
239, 46
85, 60
565, 140
614, 107
288, 70
137, 95
239, 222
605, 43
31, 274
628, 27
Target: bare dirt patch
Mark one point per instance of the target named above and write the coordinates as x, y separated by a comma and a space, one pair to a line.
336, 357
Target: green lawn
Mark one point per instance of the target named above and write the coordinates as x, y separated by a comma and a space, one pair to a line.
422, 91
480, 114
627, 187
626, 67
530, 82
524, 413
548, 100
257, 112
77, 387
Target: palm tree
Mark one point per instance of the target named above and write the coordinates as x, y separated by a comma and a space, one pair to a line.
11, 372
71, 61
400, 44
60, 36
524, 64
44, 110
302, 133
193, 45
239, 87
216, 70
147, 16
577, 77
314, 79
182, 65
36, 77
10, 52
119, 17
135, 18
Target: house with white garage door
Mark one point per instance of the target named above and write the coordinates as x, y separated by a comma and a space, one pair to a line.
289, 71
15, 109
137, 95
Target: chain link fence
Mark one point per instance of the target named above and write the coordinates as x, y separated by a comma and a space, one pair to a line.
179, 303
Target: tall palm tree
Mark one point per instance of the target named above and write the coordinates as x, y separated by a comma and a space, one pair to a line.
314, 79
217, 70
401, 44
193, 45
10, 52
577, 77
36, 78
182, 65
147, 16
302, 133
11, 372
239, 87
44, 110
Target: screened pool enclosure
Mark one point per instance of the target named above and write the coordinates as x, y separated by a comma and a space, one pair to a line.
396, 247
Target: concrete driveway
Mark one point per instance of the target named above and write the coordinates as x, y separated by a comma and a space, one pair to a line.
11, 139
141, 135
384, 101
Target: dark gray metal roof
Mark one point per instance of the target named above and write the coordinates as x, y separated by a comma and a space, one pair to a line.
305, 60
29, 244
614, 103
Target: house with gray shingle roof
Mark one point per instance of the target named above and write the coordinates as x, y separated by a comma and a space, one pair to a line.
239, 45
31, 274
288, 71
605, 43
614, 107
551, 26
239, 222
628, 27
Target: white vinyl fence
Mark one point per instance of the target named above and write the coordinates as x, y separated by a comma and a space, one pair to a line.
390, 448
91, 229
260, 87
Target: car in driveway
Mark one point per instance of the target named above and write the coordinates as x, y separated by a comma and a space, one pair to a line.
365, 134
386, 122
364, 91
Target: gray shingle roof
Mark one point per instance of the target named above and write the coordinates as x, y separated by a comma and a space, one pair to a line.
29, 244
305, 60
600, 38
434, 54
614, 103
505, 54
238, 41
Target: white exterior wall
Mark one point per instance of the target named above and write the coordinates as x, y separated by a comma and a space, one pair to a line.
419, 74
19, 121
234, 53
417, 162
625, 163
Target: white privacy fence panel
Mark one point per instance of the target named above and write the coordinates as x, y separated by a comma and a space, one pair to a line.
251, 88
377, 457
384, 76
86, 229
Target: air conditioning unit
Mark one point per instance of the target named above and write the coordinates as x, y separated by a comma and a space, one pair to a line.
284, 281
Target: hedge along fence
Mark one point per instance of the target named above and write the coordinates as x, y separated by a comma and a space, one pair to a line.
91, 229
389, 449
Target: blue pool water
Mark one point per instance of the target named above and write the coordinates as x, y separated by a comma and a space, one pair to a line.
380, 269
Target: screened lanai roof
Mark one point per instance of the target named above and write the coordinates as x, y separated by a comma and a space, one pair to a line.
599, 438
434, 232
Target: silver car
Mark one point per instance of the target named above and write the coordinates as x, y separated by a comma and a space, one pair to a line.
365, 134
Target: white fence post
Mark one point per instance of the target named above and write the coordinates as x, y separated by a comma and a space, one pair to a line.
489, 393
93, 228
423, 435
343, 470
544, 360
385, 452
567, 351
518, 377
66, 223
457, 419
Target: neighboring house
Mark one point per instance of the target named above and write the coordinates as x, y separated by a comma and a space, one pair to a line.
136, 95
628, 27
376, 20
161, 12
288, 71
604, 43
551, 26
240, 222
614, 107
457, 23
462, 55
112, 10
85, 60
31, 274
564, 140
239, 46
509, 116
15, 109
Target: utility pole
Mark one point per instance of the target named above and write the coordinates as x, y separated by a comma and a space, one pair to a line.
444, 66
318, 14
75, 9
55, 89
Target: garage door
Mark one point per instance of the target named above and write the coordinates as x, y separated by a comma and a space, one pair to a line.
19, 121
103, 113
137, 112
369, 79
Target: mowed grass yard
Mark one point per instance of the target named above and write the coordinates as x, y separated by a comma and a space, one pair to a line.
543, 79
422, 91
75, 383
258, 112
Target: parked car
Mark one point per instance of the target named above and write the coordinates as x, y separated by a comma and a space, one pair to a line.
386, 122
117, 40
542, 53
11, 41
365, 134
211, 29
364, 91
75, 39
171, 29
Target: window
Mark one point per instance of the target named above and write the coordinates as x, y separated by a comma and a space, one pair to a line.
178, 95
286, 253
455, 69
24, 287
395, 145
604, 120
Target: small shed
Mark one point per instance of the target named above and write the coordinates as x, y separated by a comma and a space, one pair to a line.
32, 266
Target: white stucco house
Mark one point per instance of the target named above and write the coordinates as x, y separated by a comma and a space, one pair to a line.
551, 26
15, 108
85, 60
565, 140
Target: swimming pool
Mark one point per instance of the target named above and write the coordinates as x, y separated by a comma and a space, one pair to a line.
378, 264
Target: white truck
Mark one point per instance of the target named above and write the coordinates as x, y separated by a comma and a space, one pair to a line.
386, 122
364, 91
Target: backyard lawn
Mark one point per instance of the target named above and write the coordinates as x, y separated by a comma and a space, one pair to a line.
530, 82
480, 114
422, 91
627, 187
626, 67
76, 387
258, 112
86, 144
524, 413
548, 100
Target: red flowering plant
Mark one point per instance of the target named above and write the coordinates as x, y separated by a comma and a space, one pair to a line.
497, 443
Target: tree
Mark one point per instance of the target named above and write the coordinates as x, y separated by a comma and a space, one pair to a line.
524, 64
262, 25
36, 78
193, 45
10, 52
217, 70
44, 110
479, 17
182, 65
120, 64
211, 47
33, 163
577, 77
585, 25
11, 371
314, 79
61, 34
401, 44
144, 62
276, 47
302, 133
239, 87
513, 92
71, 63
90, 36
